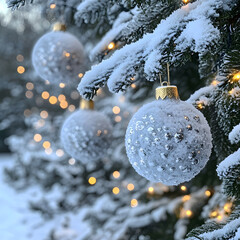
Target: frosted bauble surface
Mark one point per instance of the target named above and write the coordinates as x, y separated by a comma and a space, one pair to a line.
168, 141
58, 57
86, 135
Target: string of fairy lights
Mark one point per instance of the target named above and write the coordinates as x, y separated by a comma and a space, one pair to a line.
218, 214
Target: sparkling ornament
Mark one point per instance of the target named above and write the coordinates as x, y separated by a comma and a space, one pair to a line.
168, 140
58, 56
86, 134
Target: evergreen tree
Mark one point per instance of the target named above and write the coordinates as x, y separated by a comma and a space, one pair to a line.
129, 44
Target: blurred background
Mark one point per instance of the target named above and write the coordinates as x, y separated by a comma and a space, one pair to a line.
45, 194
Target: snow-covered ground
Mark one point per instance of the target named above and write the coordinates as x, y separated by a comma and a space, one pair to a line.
16, 221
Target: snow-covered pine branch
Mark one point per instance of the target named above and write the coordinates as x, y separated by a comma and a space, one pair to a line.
228, 171
230, 231
146, 19
234, 135
89, 11
13, 4
177, 31
131, 25
120, 23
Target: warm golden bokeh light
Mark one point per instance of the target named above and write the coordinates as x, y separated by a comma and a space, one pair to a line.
185, 1
45, 95
130, 187
186, 198
71, 108
213, 214
116, 110
116, 174
188, 213
92, 180
228, 207
133, 85
53, 5
29, 94
30, 86
115, 190
118, 119
208, 193
183, 188
46, 144
111, 45
214, 83
80, 75
53, 100
63, 104
151, 190
44, 114
134, 202
67, 54
61, 97
62, 85
20, 58
20, 69
236, 76
37, 137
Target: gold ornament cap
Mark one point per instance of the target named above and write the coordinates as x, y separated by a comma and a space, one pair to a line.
59, 27
87, 105
169, 91
166, 91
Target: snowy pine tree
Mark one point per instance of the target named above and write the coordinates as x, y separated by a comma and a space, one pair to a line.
129, 43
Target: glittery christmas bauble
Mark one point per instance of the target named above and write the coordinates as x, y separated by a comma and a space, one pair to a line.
59, 57
168, 141
86, 135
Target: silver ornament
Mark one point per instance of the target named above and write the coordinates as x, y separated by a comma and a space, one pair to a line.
59, 57
181, 147
86, 135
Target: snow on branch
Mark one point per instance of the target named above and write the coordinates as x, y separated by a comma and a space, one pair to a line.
225, 167
177, 31
234, 135
230, 229
89, 11
120, 23
13, 4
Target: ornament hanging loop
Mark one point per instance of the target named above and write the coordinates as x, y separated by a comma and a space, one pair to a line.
168, 77
166, 90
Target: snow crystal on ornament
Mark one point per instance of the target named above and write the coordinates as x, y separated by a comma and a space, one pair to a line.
179, 141
86, 135
59, 57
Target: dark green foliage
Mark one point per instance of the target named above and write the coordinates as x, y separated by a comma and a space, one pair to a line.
207, 227
231, 181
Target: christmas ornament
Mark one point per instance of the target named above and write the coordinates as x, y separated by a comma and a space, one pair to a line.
58, 56
168, 140
86, 134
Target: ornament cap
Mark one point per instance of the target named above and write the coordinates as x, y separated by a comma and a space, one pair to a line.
87, 105
58, 26
169, 91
